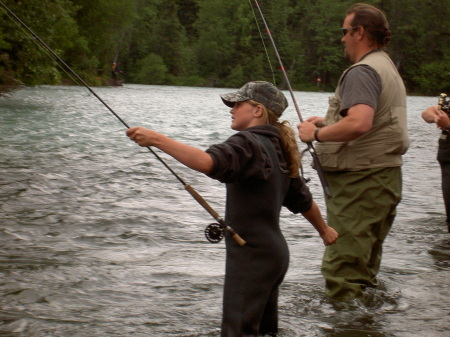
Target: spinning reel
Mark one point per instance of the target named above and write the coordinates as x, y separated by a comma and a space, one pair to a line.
214, 233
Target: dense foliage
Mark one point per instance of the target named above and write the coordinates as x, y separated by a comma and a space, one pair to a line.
213, 42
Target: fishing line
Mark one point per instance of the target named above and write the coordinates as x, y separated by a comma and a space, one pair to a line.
214, 232
264, 44
311, 149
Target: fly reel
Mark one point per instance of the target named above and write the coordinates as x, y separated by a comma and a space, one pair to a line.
214, 233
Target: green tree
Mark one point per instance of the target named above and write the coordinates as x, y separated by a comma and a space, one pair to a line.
151, 70
215, 42
420, 44
106, 26
22, 58
158, 31
317, 25
276, 16
232, 53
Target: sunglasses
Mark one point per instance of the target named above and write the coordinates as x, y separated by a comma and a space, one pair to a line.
345, 30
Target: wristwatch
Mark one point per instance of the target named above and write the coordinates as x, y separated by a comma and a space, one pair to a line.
316, 135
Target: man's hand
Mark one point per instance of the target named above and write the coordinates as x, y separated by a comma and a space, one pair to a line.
306, 131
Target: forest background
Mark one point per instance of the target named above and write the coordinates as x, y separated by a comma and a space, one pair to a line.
214, 43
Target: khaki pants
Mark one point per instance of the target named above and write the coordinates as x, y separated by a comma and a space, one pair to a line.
362, 211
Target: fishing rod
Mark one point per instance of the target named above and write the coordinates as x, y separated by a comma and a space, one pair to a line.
213, 232
311, 149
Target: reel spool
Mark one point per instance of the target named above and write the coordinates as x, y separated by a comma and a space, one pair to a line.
214, 233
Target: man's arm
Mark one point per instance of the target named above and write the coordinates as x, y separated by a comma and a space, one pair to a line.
435, 115
358, 121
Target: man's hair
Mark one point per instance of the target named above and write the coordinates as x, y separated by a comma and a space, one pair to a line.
373, 21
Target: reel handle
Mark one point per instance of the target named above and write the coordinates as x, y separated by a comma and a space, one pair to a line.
214, 214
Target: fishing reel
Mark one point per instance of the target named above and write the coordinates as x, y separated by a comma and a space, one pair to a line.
444, 103
214, 233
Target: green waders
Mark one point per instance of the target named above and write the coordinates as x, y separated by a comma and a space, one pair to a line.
362, 211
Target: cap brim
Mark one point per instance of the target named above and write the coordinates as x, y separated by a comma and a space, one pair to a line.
230, 99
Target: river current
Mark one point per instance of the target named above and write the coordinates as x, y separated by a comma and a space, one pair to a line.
99, 239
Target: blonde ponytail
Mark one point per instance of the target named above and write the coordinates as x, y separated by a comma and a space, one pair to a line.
288, 140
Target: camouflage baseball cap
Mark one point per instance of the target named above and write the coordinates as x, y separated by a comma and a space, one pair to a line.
260, 91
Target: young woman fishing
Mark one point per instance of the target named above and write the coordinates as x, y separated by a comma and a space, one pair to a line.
260, 167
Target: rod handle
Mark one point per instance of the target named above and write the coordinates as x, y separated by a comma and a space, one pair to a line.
238, 239
201, 201
214, 214
234, 235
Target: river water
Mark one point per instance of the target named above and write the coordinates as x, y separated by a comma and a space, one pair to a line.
97, 237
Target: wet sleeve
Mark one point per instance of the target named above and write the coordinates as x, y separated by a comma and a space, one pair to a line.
239, 158
298, 199
361, 85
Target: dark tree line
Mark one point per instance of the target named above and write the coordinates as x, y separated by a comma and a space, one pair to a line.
214, 42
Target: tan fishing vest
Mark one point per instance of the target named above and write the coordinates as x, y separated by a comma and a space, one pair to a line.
385, 143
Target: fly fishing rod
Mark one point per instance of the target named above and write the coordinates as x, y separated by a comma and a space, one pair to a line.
311, 149
213, 232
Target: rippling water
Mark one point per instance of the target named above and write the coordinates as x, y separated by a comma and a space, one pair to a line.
97, 238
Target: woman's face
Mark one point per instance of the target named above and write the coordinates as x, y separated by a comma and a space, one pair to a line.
244, 115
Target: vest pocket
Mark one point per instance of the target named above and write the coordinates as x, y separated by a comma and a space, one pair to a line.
327, 153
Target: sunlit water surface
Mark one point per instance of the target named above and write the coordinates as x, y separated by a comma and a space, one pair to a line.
98, 238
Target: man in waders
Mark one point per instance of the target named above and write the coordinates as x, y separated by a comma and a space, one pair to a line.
360, 144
